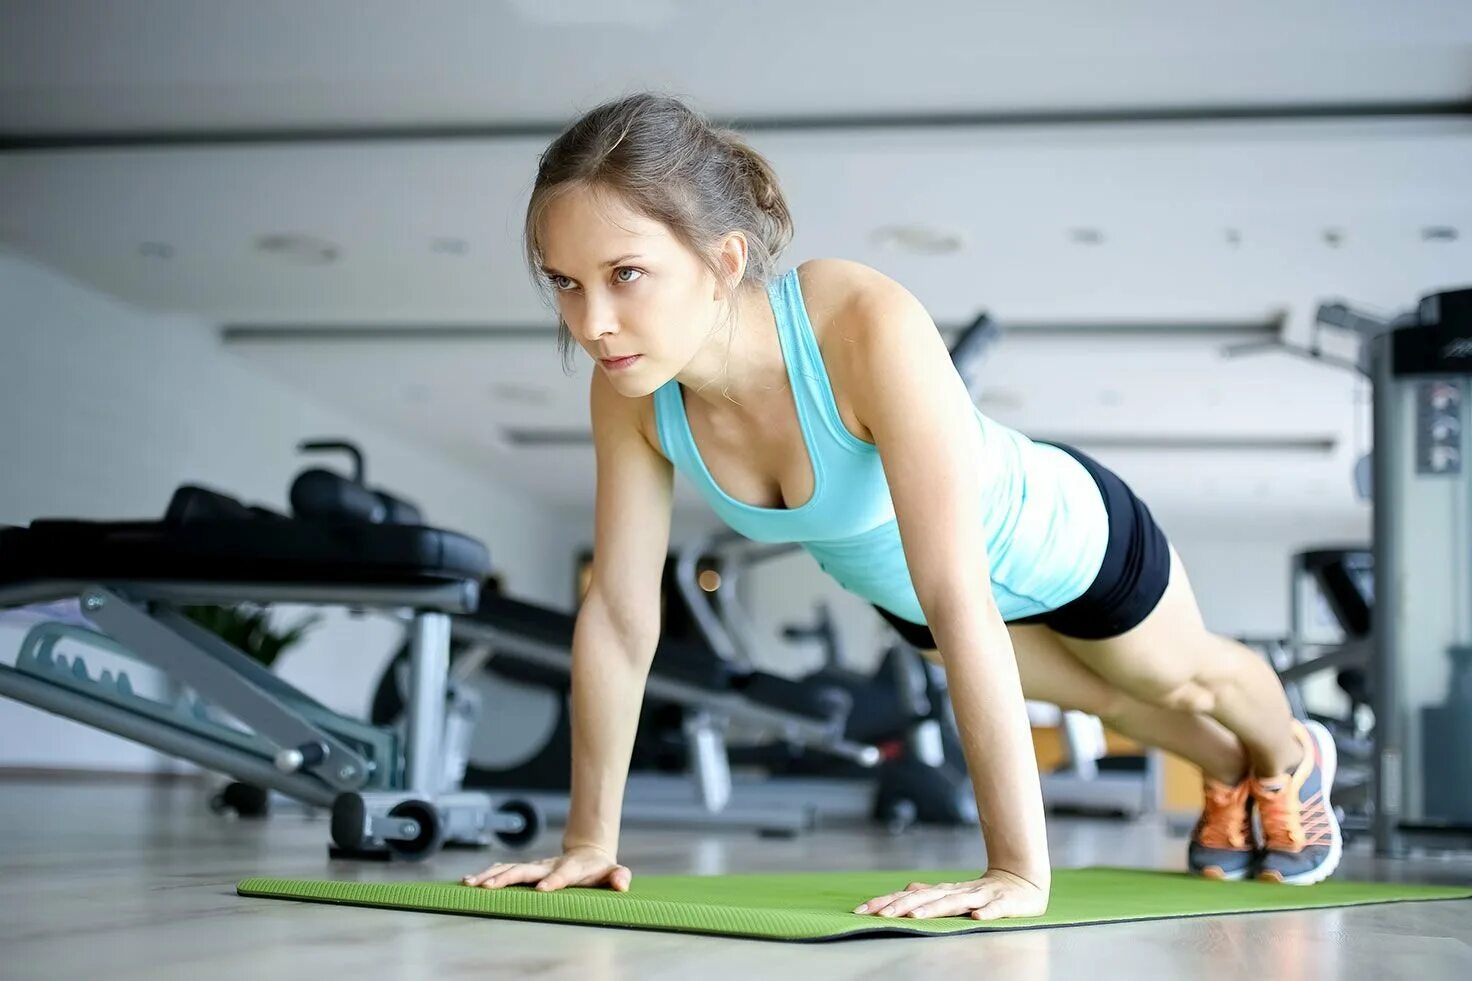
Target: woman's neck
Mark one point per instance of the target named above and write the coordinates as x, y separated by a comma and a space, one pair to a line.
741, 363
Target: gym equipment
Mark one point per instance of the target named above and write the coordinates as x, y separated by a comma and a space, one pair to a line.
388, 792
1406, 651
1421, 365
318, 493
812, 906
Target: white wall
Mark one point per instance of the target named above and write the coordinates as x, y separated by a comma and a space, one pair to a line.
105, 409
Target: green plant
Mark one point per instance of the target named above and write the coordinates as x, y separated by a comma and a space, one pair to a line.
248, 629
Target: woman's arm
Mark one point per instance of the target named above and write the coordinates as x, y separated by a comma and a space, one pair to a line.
618, 625
903, 388
614, 640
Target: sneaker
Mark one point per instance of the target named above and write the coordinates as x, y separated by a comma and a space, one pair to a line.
1301, 839
1222, 845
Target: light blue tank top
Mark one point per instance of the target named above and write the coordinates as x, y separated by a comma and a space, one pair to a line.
1042, 513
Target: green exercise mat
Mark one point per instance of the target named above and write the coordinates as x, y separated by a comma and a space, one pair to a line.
817, 905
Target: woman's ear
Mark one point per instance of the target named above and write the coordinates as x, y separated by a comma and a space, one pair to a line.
733, 256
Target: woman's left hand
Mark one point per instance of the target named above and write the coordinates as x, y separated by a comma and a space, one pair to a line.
995, 895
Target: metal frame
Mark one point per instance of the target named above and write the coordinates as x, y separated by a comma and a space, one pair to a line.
165, 738
1416, 348
1388, 743
296, 746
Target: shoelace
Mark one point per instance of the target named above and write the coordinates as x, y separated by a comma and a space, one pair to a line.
1282, 833
1224, 820
1279, 830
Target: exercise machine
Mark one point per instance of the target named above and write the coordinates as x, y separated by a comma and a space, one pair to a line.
388, 792
1422, 491
1409, 653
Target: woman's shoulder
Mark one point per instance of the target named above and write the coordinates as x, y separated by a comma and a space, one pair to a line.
830, 285
850, 304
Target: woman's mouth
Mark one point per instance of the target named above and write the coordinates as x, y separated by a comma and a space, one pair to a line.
619, 364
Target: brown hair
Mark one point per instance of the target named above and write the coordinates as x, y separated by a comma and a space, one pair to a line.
667, 162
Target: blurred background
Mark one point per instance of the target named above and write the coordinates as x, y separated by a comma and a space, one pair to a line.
226, 228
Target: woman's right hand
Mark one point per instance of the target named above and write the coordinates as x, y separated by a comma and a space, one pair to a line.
584, 865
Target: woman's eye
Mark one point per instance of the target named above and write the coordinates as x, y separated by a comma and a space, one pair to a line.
560, 283
618, 274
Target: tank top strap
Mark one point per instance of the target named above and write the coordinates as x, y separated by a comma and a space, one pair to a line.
812, 389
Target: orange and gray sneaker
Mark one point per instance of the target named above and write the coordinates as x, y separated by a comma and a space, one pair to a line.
1222, 845
1301, 839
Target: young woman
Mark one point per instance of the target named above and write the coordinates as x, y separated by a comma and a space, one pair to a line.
821, 406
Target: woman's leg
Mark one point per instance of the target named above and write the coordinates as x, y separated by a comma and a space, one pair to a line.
1051, 674
1171, 660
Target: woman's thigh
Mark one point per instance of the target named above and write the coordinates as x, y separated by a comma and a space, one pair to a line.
1166, 654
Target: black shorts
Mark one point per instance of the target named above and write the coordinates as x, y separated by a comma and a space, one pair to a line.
1131, 579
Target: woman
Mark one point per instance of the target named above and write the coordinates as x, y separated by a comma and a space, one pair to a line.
821, 406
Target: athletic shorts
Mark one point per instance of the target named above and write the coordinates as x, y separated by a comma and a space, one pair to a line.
1130, 582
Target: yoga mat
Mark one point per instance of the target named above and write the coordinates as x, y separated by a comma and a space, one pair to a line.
812, 906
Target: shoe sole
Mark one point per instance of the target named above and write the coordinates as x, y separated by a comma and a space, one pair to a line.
1219, 874
1330, 757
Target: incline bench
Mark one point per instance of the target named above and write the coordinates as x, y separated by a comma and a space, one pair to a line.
389, 795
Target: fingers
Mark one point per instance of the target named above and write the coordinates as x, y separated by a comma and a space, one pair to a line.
503, 874
550, 874
947, 899
479, 877
1003, 904
988, 898
880, 902
992, 909
909, 902
955, 904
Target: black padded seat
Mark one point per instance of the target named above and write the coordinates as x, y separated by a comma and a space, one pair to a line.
203, 539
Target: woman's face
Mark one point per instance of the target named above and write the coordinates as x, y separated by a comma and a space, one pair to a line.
634, 297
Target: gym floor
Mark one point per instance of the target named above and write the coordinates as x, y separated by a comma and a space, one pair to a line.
135, 880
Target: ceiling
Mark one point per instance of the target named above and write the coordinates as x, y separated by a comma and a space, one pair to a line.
1103, 165
96, 65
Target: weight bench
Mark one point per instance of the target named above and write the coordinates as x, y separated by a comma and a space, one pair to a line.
389, 795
